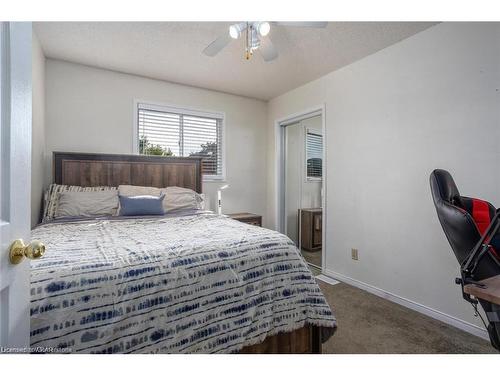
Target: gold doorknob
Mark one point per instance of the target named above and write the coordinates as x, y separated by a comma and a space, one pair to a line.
18, 250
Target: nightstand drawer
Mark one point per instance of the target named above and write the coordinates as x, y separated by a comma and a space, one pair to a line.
252, 222
247, 218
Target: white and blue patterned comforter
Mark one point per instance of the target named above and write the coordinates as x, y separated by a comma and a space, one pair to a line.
188, 284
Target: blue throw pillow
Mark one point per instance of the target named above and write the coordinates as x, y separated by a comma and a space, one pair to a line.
141, 205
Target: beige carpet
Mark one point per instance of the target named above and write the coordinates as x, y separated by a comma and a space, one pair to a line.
370, 324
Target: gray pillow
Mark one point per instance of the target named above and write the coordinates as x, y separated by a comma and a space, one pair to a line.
178, 198
141, 205
86, 203
51, 197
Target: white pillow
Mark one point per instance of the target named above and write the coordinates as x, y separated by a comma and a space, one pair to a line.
87, 203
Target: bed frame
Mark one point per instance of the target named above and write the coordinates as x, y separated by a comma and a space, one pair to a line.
82, 169
85, 169
305, 340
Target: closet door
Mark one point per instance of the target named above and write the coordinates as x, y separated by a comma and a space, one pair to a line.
293, 180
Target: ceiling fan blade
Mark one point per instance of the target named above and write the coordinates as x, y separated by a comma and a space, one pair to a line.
315, 24
217, 45
267, 49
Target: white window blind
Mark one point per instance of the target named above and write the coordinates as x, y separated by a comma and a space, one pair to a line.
314, 154
176, 132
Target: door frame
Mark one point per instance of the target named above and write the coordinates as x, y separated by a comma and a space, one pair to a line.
279, 131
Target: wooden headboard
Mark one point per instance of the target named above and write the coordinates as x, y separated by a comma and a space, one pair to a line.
81, 169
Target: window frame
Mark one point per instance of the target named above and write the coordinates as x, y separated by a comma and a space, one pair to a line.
316, 132
188, 111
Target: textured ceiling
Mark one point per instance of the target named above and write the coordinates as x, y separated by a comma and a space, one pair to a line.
171, 51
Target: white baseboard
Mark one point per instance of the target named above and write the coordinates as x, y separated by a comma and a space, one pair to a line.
445, 318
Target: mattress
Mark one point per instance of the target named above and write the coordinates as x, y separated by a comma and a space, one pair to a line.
196, 283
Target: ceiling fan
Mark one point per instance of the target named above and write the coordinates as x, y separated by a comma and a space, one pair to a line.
256, 35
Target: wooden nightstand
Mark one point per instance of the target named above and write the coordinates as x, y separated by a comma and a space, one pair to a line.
246, 217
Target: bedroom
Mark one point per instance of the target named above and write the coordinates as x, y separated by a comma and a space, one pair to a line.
154, 145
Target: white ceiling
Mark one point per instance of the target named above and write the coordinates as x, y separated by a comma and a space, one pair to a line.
172, 51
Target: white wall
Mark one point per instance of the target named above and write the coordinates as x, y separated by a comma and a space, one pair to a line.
38, 171
430, 101
92, 110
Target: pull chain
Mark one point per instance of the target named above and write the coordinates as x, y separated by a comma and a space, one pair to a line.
247, 54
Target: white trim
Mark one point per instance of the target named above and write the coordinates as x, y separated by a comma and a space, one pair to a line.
441, 316
327, 279
299, 116
221, 178
279, 149
279, 124
135, 129
324, 201
179, 109
187, 111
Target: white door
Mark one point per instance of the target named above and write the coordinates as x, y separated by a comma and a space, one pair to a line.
15, 181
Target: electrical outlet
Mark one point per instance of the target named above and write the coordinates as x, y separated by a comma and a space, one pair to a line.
354, 254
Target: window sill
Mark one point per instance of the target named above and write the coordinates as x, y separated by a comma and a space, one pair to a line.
314, 179
214, 179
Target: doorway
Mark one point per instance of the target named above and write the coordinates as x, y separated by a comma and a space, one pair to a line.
301, 184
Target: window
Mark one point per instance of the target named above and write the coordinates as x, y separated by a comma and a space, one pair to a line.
177, 132
314, 154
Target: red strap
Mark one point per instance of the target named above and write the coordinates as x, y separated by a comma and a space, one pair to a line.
481, 214
494, 252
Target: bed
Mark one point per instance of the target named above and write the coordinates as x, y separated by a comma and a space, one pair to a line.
186, 282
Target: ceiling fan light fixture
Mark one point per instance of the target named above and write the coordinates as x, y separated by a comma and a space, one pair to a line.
264, 28
254, 41
255, 35
236, 29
